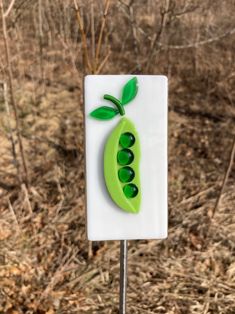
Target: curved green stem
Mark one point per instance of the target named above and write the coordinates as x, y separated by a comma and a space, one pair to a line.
116, 102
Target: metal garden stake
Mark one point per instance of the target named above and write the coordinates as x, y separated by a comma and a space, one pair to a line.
123, 276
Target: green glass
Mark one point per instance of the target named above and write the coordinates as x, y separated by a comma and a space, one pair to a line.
127, 140
126, 174
130, 190
121, 149
125, 157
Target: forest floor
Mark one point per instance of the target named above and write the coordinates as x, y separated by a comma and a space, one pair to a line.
44, 263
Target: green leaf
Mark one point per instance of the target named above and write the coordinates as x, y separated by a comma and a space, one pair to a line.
104, 113
129, 91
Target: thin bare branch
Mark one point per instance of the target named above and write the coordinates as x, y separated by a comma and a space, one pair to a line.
102, 64
8, 11
107, 3
93, 36
84, 39
71, 55
14, 216
27, 199
10, 135
40, 41
131, 17
199, 43
11, 89
226, 176
158, 35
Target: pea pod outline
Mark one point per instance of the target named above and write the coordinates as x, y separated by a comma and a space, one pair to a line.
113, 184
111, 167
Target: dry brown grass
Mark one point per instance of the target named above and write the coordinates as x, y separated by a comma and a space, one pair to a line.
44, 265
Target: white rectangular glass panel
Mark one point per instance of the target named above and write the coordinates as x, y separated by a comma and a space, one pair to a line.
148, 111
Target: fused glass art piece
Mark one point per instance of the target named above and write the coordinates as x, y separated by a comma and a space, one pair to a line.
126, 156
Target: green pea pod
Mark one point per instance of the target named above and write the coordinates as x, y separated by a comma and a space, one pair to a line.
122, 152
127, 201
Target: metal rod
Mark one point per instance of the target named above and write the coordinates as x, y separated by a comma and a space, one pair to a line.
123, 276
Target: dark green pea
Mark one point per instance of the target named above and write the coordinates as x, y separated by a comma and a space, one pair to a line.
126, 174
127, 140
125, 157
130, 190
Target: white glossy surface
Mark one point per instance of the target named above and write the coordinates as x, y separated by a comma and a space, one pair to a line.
148, 111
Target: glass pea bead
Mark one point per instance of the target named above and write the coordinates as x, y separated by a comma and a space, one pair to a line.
130, 190
127, 139
125, 157
126, 174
